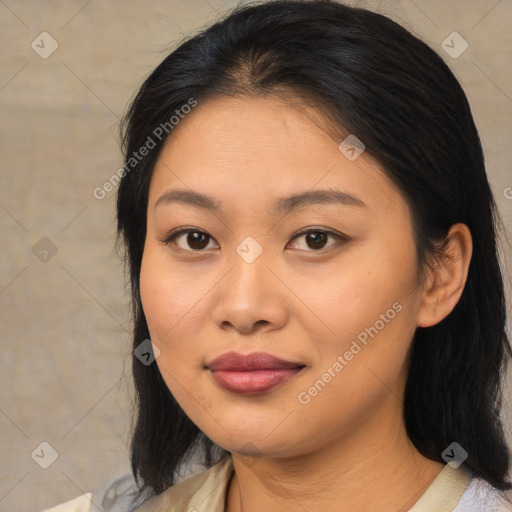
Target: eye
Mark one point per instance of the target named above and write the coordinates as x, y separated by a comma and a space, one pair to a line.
196, 240
316, 239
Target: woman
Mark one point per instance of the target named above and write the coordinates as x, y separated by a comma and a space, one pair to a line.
311, 240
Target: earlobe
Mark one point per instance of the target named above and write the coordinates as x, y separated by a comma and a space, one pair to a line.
445, 282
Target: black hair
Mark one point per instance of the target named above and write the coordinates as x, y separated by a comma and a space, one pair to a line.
375, 79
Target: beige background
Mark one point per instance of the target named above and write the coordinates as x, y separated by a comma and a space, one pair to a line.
64, 368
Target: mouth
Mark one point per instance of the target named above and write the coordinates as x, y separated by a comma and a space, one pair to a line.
252, 373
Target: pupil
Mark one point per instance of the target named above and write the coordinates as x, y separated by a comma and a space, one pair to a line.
318, 239
194, 240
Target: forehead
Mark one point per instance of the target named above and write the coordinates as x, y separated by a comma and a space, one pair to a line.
252, 149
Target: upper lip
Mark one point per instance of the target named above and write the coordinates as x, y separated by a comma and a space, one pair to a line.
256, 361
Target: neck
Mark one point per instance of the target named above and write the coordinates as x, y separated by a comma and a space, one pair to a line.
375, 467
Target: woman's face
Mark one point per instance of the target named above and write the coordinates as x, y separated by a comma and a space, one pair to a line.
341, 303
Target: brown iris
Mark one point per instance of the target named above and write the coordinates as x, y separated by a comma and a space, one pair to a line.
197, 240
316, 239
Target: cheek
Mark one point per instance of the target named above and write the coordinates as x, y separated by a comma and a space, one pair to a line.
370, 305
362, 288
172, 307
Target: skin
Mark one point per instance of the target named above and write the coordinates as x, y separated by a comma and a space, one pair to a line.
347, 449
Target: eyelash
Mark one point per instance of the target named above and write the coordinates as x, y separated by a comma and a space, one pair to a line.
172, 236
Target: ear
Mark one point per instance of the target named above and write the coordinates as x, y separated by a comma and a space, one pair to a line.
445, 283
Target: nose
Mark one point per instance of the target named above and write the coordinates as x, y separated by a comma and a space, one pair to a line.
250, 298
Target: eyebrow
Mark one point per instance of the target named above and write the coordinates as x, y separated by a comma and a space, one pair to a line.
282, 205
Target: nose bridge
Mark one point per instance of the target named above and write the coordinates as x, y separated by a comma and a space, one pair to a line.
249, 294
249, 269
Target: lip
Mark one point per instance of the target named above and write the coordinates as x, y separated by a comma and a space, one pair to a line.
252, 373
234, 361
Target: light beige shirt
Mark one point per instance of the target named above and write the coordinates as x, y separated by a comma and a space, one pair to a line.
207, 490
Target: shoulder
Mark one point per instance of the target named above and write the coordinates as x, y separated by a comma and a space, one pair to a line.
116, 496
480, 496
80, 504
203, 491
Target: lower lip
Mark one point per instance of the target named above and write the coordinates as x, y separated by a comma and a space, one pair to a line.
252, 382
